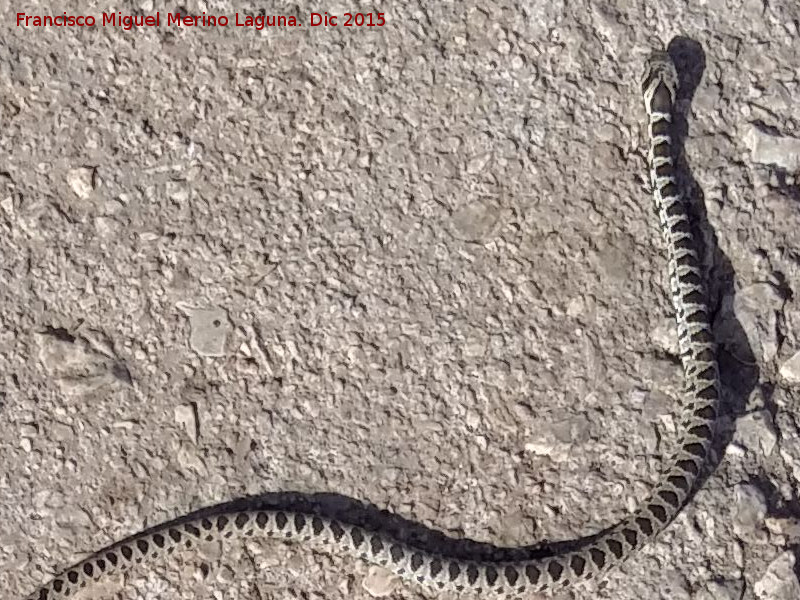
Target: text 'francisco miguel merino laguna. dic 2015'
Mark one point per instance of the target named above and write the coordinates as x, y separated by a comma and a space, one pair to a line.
178, 20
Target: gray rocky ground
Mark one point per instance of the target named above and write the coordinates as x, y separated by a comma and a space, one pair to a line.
412, 264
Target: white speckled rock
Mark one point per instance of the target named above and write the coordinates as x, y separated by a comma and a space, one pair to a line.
770, 149
756, 432
380, 582
790, 370
81, 180
780, 580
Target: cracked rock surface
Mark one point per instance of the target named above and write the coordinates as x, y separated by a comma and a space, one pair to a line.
412, 264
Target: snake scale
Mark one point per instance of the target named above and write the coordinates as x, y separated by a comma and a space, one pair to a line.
588, 558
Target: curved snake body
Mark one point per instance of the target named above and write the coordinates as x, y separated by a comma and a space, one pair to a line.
589, 557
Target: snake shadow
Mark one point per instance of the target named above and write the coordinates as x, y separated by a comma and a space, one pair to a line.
739, 371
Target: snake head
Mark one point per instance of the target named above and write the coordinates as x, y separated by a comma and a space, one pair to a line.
659, 83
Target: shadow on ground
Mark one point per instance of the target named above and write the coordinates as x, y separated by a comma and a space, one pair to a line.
739, 371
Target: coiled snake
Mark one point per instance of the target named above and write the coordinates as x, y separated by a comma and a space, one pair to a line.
589, 557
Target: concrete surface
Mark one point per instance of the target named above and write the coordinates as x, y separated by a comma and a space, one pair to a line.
413, 264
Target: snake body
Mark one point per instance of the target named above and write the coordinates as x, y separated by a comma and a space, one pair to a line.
588, 558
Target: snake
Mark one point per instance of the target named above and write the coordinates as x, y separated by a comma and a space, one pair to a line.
587, 558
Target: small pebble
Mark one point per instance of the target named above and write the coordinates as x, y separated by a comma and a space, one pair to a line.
81, 181
734, 449
186, 417
380, 582
28, 430
755, 431
769, 149
209, 329
780, 581
790, 370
